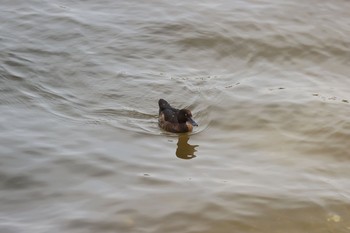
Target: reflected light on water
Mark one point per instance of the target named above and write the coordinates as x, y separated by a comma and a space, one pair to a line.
80, 148
185, 150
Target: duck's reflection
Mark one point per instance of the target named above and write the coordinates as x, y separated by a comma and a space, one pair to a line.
185, 150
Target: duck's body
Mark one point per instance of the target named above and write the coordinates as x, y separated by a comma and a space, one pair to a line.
175, 120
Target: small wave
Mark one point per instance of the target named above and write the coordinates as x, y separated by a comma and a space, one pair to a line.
274, 47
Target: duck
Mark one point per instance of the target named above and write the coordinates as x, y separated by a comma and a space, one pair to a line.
175, 120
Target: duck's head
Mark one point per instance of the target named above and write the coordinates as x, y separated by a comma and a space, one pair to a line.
184, 116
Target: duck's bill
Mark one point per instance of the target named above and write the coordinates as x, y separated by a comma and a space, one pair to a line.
192, 122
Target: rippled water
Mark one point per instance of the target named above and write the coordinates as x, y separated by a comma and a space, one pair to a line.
267, 81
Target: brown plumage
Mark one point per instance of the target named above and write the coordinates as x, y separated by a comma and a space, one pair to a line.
175, 120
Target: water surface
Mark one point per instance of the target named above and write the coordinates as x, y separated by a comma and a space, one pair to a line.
267, 81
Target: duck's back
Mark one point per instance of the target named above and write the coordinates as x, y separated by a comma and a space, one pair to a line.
163, 104
167, 112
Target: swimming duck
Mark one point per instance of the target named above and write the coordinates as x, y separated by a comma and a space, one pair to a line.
175, 120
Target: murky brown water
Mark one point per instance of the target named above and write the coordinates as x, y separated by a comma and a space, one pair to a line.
267, 81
